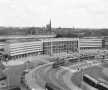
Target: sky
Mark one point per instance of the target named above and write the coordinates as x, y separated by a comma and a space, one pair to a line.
63, 13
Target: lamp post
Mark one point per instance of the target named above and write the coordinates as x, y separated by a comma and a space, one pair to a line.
82, 73
103, 57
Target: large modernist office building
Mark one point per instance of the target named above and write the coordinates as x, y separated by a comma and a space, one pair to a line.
59, 45
15, 47
49, 46
23, 49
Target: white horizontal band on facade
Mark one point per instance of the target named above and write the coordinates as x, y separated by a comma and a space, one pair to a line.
26, 50
90, 44
24, 47
59, 39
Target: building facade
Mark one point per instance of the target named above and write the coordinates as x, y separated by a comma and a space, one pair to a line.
24, 48
90, 43
59, 45
105, 42
51, 46
17, 50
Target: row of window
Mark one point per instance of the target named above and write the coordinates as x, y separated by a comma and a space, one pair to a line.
24, 55
59, 43
90, 48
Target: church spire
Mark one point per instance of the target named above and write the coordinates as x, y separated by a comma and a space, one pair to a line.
48, 26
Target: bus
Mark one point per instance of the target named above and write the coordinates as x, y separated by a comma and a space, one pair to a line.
90, 80
102, 86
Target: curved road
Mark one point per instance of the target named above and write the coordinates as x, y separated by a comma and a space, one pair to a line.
61, 78
46, 74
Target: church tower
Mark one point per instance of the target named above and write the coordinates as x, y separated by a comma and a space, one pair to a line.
48, 26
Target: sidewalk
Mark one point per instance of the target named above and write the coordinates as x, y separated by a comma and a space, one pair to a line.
12, 63
23, 60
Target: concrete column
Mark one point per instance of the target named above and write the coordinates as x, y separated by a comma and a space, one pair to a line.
51, 49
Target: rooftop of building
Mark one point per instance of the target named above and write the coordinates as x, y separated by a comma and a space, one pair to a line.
58, 39
21, 41
38, 39
26, 36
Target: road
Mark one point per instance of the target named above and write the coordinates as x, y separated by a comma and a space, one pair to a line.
46, 74
61, 78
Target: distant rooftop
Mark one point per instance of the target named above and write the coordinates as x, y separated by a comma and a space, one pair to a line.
26, 36
58, 39
22, 40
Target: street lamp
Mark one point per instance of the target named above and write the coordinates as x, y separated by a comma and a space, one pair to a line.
82, 74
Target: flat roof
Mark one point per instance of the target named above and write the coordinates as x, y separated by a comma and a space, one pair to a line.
21, 40
26, 36
58, 39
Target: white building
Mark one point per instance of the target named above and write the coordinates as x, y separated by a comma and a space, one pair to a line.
16, 49
50, 46
90, 45
60, 45
23, 49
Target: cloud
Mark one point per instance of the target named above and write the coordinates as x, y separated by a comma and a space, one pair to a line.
84, 13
